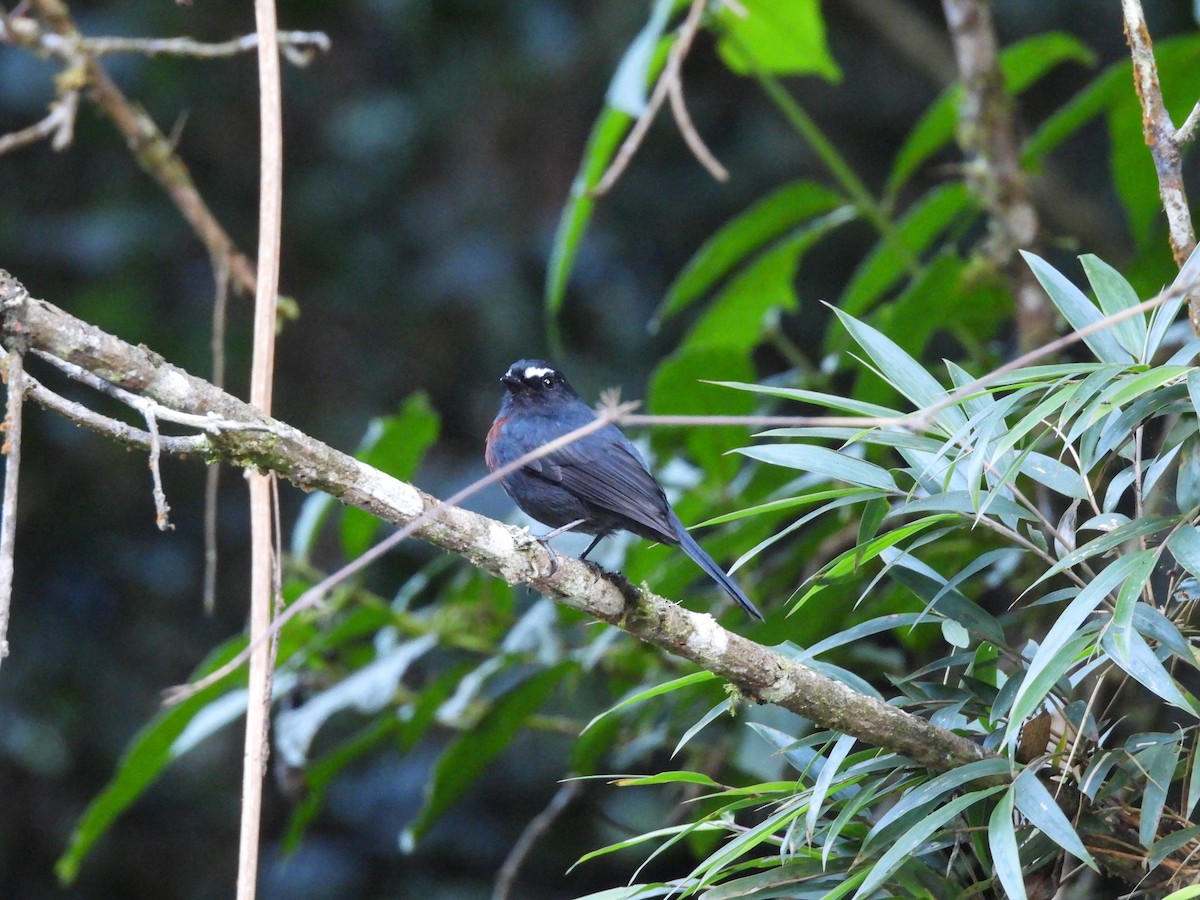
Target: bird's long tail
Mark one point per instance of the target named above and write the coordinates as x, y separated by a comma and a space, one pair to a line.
706, 562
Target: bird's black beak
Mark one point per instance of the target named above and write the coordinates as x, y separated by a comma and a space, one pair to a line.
508, 379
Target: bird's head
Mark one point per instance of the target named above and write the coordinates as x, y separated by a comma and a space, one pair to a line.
534, 382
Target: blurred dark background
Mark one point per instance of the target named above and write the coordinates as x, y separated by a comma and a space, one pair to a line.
428, 158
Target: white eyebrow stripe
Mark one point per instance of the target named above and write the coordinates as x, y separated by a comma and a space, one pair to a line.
535, 372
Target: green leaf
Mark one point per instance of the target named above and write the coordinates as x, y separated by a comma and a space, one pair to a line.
782, 37
1116, 294
1184, 545
1147, 670
738, 315
657, 690
903, 372
1061, 646
666, 778
831, 401
465, 759
1159, 762
1089, 103
908, 844
784, 209
1187, 478
823, 461
679, 386
1038, 806
932, 791
833, 764
394, 444
1055, 475
151, 749
1077, 309
1121, 625
925, 220
1164, 315
1176, 840
1138, 528
1002, 841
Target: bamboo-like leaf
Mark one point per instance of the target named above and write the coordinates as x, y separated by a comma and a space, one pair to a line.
830, 401
1057, 476
1038, 806
903, 372
932, 791
1184, 545
925, 220
1164, 315
1159, 762
1062, 643
910, 842
1121, 624
1148, 671
467, 756
823, 461
655, 691
1138, 528
1002, 842
712, 715
1115, 294
833, 764
1077, 309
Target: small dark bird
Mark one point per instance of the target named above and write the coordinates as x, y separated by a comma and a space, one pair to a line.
597, 484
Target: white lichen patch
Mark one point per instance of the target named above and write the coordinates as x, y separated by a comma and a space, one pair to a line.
174, 385
708, 640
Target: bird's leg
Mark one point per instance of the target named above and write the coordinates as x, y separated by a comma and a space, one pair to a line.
544, 540
592, 546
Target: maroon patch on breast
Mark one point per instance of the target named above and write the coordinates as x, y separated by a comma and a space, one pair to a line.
493, 435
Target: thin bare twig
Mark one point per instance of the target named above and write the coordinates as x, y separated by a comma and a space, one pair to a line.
211, 424
671, 74
691, 136
298, 47
534, 831
1187, 131
58, 125
1162, 139
12, 469
161, 508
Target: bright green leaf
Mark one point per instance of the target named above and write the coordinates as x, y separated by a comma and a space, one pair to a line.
782, 37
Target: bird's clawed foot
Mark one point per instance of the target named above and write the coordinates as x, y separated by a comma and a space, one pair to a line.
545, 542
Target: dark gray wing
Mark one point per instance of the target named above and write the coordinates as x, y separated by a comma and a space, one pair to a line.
605, 471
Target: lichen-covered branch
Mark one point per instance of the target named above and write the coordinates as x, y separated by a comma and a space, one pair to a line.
1164, 141
758, 672
987, 136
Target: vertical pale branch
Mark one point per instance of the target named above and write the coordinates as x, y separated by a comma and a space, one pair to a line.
1164, 141
15, 361
987, 136
262, 565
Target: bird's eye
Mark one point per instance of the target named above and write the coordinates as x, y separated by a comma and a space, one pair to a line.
548, 381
